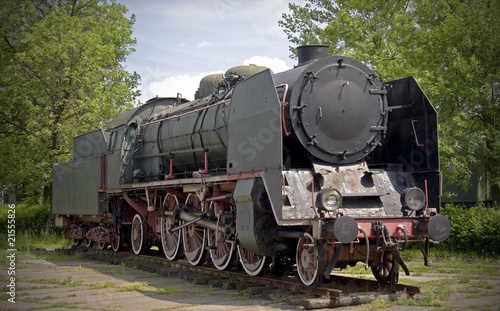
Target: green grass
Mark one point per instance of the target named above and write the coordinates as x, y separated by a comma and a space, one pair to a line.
122, 264
30, 241
204, 292
242, 294
67, 305
169, 290
472, 276
136, 286
37, 300
444, 293
68, 282
102, 285
427, 301
173, 308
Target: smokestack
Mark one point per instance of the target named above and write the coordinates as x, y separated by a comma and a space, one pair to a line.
307, 53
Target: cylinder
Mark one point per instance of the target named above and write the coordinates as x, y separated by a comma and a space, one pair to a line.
438, 228
307, 53
343, 229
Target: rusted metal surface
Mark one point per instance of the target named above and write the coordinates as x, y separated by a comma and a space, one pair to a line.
297, 195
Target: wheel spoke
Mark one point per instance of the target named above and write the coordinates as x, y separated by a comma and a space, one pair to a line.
138, 235
102, 245
309, 266
194, 244
194, 236
117, 241
252, 263
88, 242
222, 252
170, 241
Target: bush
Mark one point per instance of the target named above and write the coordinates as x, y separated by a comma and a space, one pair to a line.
30, 218
473, 230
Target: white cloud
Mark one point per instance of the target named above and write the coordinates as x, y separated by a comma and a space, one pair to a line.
185, 84
275, 64
161, 85
204, 44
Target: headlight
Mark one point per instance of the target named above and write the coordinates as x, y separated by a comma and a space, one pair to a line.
413, 199
329, 199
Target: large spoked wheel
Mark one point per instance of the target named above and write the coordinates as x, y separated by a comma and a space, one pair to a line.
252, 263
194, 236
222, 251
171, 242
101, 244
88, 237
117, 242
88, 242
138, 235
310, 266
387, 271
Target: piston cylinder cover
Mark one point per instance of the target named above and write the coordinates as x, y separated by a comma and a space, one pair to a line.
438, 228
343, 229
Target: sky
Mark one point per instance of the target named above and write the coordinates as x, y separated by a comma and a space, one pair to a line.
181, 41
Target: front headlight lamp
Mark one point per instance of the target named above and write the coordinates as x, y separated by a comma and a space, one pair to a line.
413, 199
328, 200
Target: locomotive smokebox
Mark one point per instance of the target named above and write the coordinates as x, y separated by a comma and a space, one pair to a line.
337, 107
307, 53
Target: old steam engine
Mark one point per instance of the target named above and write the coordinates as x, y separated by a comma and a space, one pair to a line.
315, 168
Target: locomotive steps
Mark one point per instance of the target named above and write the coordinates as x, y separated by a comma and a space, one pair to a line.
343, 291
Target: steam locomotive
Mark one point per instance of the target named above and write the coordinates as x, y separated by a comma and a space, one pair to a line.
315, 168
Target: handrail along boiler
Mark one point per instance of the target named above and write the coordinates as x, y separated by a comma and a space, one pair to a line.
314, 168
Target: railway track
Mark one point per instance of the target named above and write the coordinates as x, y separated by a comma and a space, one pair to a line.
342, 291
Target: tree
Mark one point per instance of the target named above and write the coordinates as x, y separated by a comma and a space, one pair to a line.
61, 75
450, 46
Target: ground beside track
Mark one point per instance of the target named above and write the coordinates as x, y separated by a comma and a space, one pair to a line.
55, 281
60, 282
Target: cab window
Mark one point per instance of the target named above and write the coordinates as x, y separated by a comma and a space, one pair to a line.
112, 141
130, 137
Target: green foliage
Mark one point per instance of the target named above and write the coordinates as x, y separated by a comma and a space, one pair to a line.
373, 32
30, 224
473, 230
30, 219
450, 46
61, 75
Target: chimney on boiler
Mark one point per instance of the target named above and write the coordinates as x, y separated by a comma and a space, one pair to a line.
308, 53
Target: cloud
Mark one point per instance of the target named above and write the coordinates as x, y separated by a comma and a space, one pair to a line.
204, 44
160, 84
169, 87
275, 64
